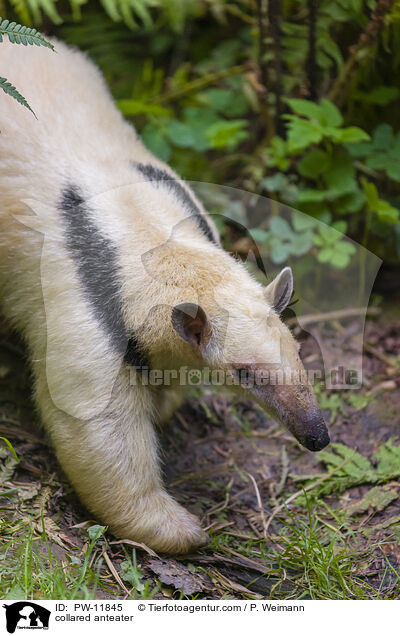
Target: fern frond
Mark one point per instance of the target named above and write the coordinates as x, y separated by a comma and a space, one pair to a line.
12, 91
19, 34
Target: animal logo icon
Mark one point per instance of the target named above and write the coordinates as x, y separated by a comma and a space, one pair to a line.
26, 615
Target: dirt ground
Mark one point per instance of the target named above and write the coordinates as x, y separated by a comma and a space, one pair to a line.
222, 458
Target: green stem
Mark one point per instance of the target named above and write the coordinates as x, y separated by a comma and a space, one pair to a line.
199, 84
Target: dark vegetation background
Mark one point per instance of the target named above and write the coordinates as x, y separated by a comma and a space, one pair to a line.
297, 101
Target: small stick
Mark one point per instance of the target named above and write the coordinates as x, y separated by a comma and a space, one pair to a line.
114, 572
309, 319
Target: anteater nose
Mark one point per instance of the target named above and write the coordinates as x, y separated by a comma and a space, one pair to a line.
317, 440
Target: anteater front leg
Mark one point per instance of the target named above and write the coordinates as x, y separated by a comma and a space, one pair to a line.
112, 462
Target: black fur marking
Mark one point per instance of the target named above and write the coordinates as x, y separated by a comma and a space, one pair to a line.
99, 272
134, 354
151, 173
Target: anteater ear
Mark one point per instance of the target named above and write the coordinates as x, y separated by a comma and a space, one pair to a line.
279, 292
190, 322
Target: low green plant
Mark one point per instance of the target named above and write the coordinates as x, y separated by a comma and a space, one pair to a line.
349, 468
28, 572
319, 171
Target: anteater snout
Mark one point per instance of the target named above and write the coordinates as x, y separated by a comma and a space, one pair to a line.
318, 440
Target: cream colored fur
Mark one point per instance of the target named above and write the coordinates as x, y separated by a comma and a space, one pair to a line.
101, 427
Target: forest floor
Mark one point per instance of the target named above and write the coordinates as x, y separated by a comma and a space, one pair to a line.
283, 523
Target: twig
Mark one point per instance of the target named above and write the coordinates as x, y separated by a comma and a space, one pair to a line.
259, 502
381, 356
284, 473
114, 572
136, 544
368, 38
199, 84
309, 319
311, 64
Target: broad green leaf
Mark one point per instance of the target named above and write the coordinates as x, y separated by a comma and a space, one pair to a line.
302, 221
301, 243
185, 135
227, 134
340, 177
96, 531
353, 134
393, 170
380, 95
308, 195
313, 163
280, 227
330, 114
345, 247
386, 212
276, 183
154, 139
339, 259
261, 236
371, 193
279, 252
306, 108
303, 133
340, 226
325, 255
227, 102
383, 137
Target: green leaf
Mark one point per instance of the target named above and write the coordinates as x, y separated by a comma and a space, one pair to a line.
154, 139
184, 135
303, 133
131, 107
386, 212
388, 457
371, 193
279, 252
306, 108
227, 134
280, 227
313, 163
375, 500
325, 255
260, 236
339, 259
353, 134
301, 221
383, 137
12, 91
381, 95
19, 34
330, 114
354, 469
301, 243
345, 247
11, 448
227, 102
340, 177
96, 531
308, 195
393, 170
